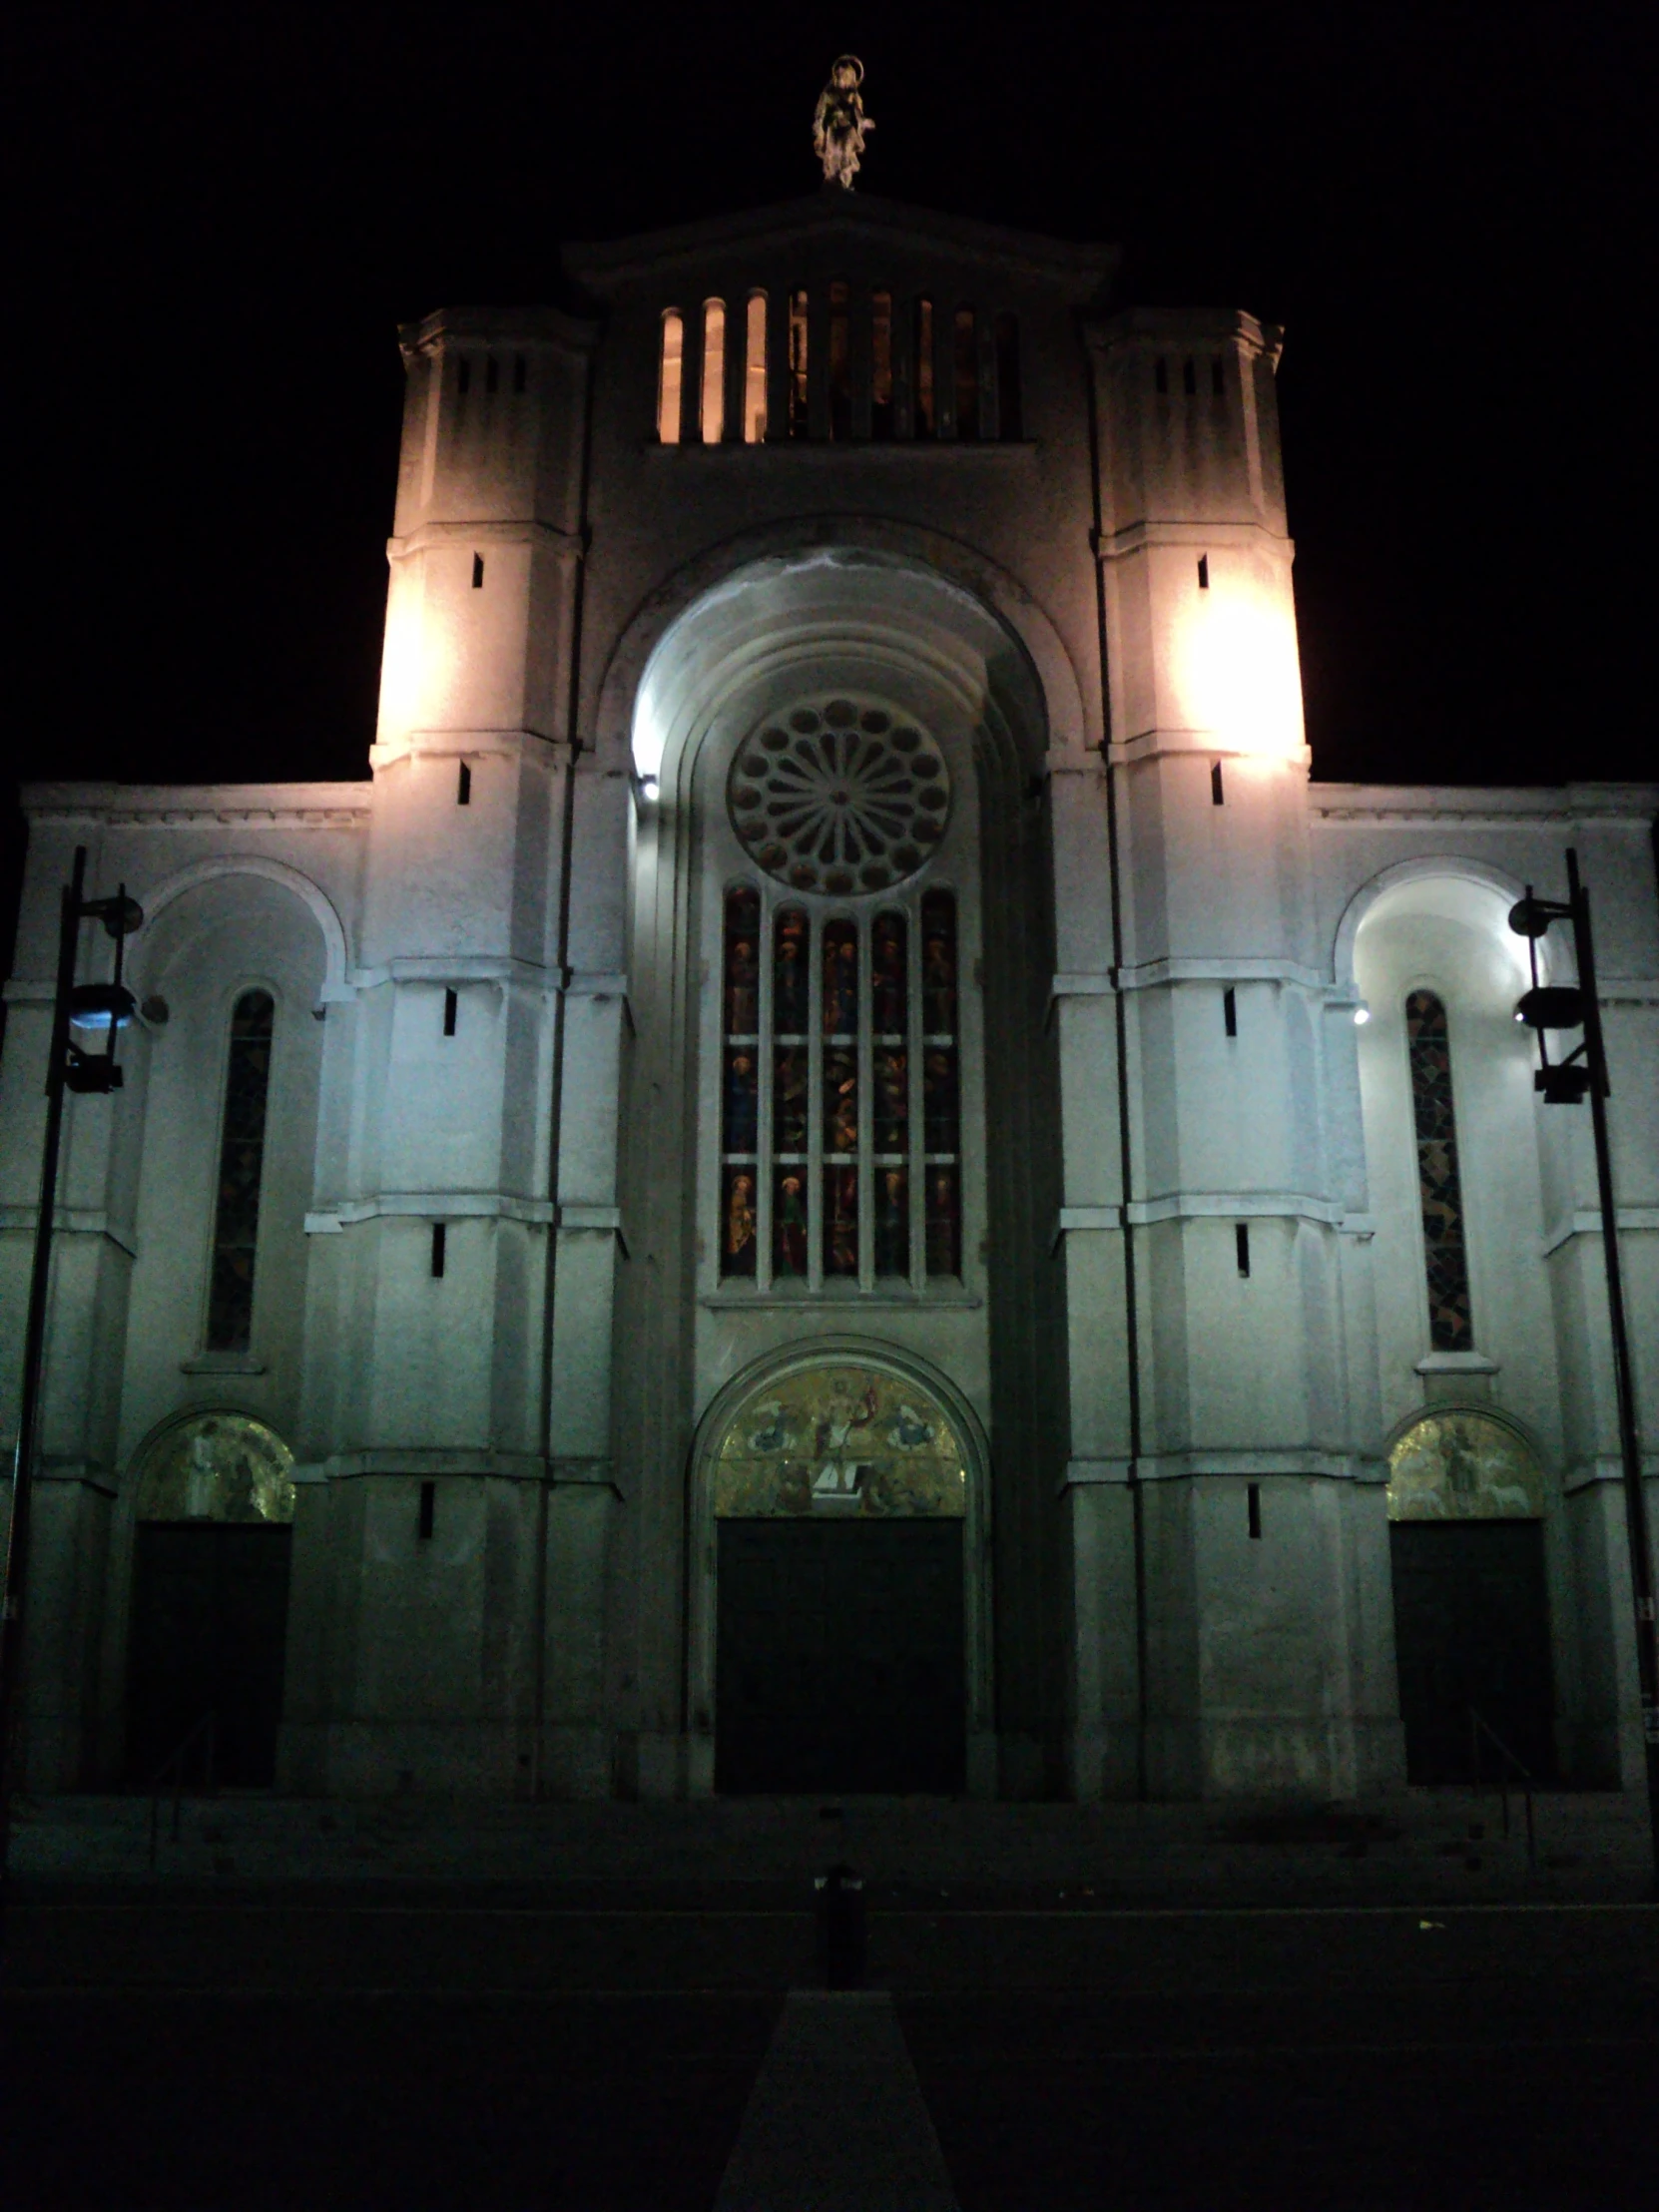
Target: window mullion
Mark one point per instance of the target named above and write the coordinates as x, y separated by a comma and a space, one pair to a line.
814, 1103
766, 954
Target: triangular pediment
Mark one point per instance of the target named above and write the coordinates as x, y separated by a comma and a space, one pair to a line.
851, 220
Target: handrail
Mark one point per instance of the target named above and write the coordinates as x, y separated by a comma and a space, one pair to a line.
1480, 1726
207, 1728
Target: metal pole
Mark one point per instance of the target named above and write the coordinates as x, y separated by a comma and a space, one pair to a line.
34, 1363
1635, 1505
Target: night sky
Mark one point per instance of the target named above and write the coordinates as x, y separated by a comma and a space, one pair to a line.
222, 217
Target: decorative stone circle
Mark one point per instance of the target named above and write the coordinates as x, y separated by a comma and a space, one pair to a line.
839, 796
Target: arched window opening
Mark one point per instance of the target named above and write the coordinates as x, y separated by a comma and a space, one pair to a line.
713, 412
799, 421
1445, 1254
1009, 400
841, 360
670, 367
941, 1085
926, 425
241, 1170
740, 1082
967, 375
880, 366
755, 370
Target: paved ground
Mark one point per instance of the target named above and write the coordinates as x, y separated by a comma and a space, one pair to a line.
1178, 2009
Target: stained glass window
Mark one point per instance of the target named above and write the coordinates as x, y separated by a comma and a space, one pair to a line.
241, 1167
839, 1094
1446, 1256
741, 1083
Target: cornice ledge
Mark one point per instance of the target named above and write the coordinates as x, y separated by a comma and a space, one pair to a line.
497, 530
1247, 968
329, 1221
1586, 1221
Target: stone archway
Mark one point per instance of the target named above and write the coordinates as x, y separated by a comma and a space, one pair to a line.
839, 1625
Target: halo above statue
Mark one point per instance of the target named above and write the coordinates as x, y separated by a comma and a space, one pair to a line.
840, 122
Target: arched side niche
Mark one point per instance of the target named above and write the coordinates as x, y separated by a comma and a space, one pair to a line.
756, 1454
1456, 1464
218, 1467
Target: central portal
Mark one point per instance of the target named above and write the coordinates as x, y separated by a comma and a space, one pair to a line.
840, 1657
839, 1494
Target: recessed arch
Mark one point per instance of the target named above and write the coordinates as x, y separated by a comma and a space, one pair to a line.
1394, 884
335, 986
1032, 676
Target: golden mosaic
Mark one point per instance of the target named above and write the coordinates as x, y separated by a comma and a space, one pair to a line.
218, 1467
842, 1442
1463, 1467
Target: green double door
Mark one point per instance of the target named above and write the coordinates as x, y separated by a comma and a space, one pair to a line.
208, 1628
840, 1657
1471, 1629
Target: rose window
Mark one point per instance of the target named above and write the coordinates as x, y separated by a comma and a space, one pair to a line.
839, 797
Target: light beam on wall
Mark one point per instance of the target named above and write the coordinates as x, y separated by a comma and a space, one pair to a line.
1236, 664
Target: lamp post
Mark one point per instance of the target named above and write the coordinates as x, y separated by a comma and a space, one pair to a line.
106, 1008
1565, 1082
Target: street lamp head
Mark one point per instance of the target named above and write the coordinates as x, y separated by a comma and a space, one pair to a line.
1567, 1083
100, 1006
1552, 1007
119, 915
1531, 917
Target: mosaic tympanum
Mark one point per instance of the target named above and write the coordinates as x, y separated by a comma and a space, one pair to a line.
1463, 1467
217, 1468
839, 1440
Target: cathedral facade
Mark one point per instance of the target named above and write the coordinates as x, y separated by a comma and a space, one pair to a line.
837, 1175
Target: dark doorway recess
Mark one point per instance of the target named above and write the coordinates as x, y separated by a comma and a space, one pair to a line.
840, 1657
1471, 1627
210, 1620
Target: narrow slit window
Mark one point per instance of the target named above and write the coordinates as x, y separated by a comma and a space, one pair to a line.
1216, 793
940, 1086
1229, 1010
881, 364
1240, 1241
1189, 378
841, 360
1009, 397
1252, 1508
740, 1082
755, 370
240, 1172
440, 1246
925, 424
1445, 1255
670, 369
967, 362
477, 572
463, 786
799, 423
1160, 376
1204, 572
713, 410
429, 1512
451, 1008
522, 373
492, 374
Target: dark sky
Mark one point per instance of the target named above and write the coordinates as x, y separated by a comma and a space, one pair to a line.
226, 213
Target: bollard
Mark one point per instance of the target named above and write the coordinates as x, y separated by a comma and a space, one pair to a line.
840, 1928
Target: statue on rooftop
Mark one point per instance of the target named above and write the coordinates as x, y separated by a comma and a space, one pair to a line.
839, 123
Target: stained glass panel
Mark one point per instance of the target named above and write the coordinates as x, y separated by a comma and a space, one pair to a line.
742, 1017
843, 1441
841, 981
790, 993
217, 1466
840, 1220
1445, 1257
944, 1216
789, 1222
1463, 1467
889, 978
892, 1221
240, 1172
737, 1221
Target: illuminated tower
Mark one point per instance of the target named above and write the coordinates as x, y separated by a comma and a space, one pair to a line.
1259, 1549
